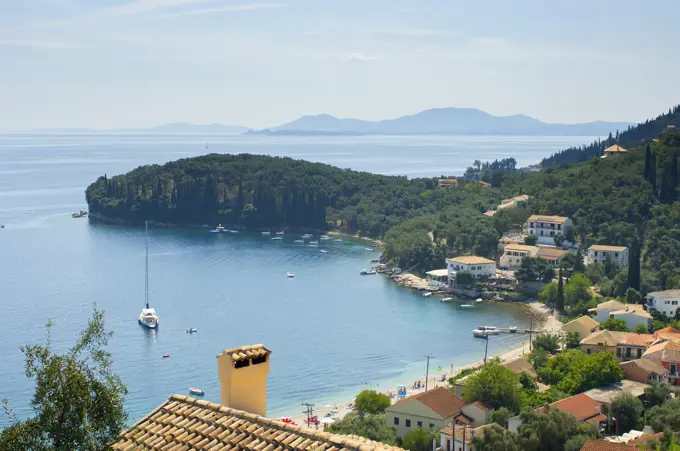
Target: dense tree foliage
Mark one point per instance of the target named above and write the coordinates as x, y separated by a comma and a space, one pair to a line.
646, 130
495, 438
495, 386
627, 410
547, 342
657, 393
78, 400
618, 325
420, 439
554, 430
574, 371
371, 402
664, 417
372, 427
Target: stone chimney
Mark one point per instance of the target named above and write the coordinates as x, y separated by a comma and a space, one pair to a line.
243, 378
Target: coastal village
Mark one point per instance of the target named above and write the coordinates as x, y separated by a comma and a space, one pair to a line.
466, 410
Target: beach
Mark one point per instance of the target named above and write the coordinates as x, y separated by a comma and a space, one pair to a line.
336, 411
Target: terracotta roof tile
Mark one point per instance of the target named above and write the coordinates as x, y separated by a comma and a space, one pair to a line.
601, 247
648, 365
602, 445
585, 321
440, 400
187, 424
466, 431
247, 352
582, 406
550, 253
471, 260
548, 219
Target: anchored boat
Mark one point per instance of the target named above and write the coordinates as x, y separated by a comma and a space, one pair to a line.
148, 318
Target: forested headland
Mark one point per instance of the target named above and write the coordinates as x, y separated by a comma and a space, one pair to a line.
629, 200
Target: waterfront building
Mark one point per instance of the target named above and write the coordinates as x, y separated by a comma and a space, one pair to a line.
185, 423
513, 254
664, 301
583, 326
430, 409
479, 267
645, 371
547, 227
598, 253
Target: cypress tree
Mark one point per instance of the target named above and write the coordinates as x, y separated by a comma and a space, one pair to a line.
673, 182
652, 172
560, 291
648, 162
634, 266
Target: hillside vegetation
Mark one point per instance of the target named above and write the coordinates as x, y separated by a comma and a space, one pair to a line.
629, 200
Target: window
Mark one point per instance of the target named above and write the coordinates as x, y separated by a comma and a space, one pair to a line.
588, 351
618, 352
627, 352
396, 421
420, 424
673, 369
595, 253
408, 423
448, 445
616, 254
639, 353
431, 426
674, 302
552, 233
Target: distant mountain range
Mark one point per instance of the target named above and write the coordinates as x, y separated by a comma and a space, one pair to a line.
446, 121
178, 128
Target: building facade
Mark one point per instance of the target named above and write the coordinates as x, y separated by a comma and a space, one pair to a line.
479, 267
599, 254
583, 326
513, 254
666, 302
547, 227
552, 255
431, 409
645, 371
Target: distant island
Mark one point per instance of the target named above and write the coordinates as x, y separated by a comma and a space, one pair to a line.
441, 121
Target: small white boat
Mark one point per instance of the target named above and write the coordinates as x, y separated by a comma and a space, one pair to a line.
290, 274
148, 318
276, 238
479, 333
299, 241
324, 237
338, 240
427, 295
446, 300
324, 251
266, 233
479, 300
307, 235
219, 228
313, 243
513, 329
466, 306
488, 330
196, 391
233, 231
280, 233
369, 249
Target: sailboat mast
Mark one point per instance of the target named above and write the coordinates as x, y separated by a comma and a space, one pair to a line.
146, 265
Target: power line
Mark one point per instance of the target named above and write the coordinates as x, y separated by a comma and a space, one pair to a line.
427, 370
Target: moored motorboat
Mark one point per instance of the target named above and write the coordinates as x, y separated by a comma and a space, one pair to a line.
479, 300
313, 243
196, 391
324, 237
447, 299
276, 238
219, 228
466, 306
480, 333
369, 249
290, 274
324, 251
338, 240
487, 330
427, 295
513, 329
266, 233
280, 232
299, 241
165, 356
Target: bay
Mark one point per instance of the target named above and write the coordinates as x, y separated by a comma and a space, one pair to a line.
332, 331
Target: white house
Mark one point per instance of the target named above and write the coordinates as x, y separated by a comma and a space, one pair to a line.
477, 266
599, 254
633, 315
602, 311
432, 409
546, 227
513, 254
664, 301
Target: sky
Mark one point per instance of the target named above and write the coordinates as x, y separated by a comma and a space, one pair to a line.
138, 63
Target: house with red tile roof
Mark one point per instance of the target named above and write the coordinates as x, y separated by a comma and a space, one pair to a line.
603, 445
582, 407
667, 353
431, 409
667, 333
645, 371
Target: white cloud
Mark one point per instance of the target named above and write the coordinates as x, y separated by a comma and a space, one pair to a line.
410, 32
144, 6
360, 58
227, 9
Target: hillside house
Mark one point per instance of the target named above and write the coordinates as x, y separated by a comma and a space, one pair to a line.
633, 315
583, 326
666, 302
431, 409
584, 409
552, 255
459, 438
608, 393
645, 371
613, 151
624, 345
546, 227
598, 253
603, 310
513, 254
667, 353
667, 333
446, 183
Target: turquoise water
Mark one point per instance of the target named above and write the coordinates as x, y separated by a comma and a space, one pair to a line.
332, 332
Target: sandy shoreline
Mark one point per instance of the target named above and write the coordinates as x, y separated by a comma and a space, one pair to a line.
337, 411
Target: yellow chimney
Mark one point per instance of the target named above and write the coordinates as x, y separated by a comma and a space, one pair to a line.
243, 378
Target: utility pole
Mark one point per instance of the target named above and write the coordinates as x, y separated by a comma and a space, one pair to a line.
427, 370
309, 411
531, 330
486, 347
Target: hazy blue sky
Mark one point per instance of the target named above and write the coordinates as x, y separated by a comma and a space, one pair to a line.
120, 63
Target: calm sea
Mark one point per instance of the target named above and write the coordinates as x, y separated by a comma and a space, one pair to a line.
332, 331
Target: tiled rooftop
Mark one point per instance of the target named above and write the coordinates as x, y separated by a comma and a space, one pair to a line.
247, 352
187, 424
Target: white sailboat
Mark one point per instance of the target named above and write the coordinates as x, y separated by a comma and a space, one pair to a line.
148, 318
